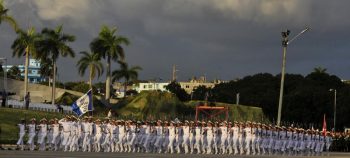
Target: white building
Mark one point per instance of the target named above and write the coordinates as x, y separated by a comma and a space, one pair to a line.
150, 86
33, 71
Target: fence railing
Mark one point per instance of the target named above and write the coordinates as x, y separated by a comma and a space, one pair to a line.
39, 106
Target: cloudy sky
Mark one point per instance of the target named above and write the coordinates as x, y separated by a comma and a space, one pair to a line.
223, 39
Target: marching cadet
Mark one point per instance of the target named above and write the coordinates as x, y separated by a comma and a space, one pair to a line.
253, 137
186, 136
147, 136
229, 138
178, 136
224, 136
198, 136
210, 136
42, 134
159, 135
55, 127
329, 141
31, 134
21, 126
192, 136
241, 138
216, 137
204, 141
73, 143
248, 137
49, 134
66, 129
121, 135
98, 135
107, 134
165, 137
235, 137
171, 132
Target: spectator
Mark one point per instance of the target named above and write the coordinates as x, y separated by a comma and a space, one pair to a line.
27, 100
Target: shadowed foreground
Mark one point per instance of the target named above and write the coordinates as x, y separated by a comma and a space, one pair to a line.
51, 154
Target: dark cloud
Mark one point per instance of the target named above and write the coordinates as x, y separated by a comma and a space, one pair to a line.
224, 39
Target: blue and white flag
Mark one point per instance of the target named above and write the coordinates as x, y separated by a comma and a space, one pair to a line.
83, 104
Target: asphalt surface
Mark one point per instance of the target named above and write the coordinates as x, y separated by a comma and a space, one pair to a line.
59, 154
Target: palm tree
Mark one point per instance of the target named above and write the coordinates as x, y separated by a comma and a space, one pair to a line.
54, 44
93, 62
26, 44
5, 17
46, 69
320, 70
129, 74
14, 72
109, 45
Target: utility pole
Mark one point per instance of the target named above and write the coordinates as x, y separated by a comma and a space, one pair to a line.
174, 73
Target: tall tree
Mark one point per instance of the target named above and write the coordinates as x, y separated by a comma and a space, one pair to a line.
46, 69
5, 17
54, 44
320, 70
109, 45
14, 72
91, 61
129, 74
26, 44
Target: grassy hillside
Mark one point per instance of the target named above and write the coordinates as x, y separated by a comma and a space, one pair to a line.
238, 112
151, 105
10, 117
164, 105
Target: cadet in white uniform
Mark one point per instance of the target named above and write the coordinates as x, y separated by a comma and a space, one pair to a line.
66, 129
31, 134
224, 132
22, 132
55, 127
42, 134
186, 136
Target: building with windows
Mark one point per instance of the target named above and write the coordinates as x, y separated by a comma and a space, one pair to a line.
33, 71
195, 83
147, 86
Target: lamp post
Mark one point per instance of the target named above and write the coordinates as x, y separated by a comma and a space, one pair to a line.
335, 106
285, 43
5, 79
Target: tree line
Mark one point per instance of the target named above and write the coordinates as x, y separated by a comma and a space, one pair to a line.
51, 44
306, 98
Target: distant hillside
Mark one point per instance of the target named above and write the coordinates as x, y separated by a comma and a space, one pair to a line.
152, 105
164, 105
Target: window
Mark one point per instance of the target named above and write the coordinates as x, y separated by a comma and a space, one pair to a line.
187, 86
144, 86
150, 86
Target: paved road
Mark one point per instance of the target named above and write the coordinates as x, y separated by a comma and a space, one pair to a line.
51, 154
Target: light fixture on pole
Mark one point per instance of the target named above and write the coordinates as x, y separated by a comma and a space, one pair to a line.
285, 43
335, 106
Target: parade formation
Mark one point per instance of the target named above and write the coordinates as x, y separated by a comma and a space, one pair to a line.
71, 134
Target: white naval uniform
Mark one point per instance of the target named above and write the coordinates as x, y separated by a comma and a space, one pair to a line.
66, 129
121, 138
210, 137
55, 135
159, 137
31, 135
41, 136
98, 137
22, 132
198, 136
224, 142
248, 138
235, 139
170, 145
186, 138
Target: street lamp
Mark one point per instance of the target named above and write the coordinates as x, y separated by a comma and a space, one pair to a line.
335, 105
5, 79
285, 43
